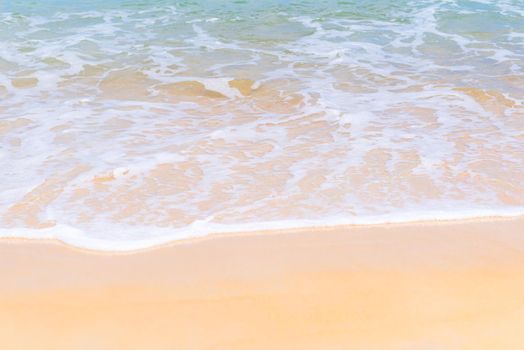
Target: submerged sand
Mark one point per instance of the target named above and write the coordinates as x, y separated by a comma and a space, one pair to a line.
454, 285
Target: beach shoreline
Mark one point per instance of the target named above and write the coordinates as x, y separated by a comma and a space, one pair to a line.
262, 175
443, 285
317, 229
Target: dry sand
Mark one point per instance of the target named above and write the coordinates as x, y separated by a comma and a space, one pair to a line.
419, 286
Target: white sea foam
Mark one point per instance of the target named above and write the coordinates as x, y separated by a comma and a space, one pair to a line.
137, 238
125, 128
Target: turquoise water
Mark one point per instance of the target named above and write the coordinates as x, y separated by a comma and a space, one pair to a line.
126, 124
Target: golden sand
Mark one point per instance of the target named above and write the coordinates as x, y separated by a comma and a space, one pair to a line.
421, 286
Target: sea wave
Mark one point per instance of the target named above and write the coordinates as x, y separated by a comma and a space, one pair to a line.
128, 124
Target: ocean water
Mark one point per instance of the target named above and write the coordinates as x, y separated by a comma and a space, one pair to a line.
126, 124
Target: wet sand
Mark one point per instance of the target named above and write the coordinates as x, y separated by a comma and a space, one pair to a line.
419, 286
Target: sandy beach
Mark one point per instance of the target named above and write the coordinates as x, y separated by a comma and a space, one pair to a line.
455, 285
262, 175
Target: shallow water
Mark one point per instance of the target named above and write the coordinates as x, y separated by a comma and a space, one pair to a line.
125, 124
